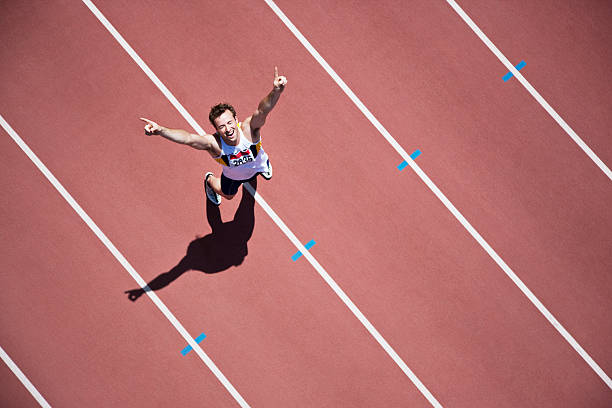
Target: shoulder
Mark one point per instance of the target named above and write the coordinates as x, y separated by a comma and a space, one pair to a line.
198, 141
250, 133
203, 142
214, 144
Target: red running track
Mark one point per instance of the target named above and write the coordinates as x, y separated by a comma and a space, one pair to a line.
273, 327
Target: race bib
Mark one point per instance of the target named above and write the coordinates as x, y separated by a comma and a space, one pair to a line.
240, 158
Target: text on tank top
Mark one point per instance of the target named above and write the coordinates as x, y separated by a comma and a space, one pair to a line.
247, 152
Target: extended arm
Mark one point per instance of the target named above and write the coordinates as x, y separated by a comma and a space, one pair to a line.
265, 106
177, 135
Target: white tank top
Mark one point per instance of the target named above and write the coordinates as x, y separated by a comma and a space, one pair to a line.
243, 161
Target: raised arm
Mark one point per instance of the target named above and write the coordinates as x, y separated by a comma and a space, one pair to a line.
265, 106
177, 135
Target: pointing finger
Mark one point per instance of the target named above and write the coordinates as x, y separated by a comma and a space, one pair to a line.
275, 72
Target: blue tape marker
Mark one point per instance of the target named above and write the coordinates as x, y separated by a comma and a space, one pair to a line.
518, 68
309, 245
413, 156
197, 340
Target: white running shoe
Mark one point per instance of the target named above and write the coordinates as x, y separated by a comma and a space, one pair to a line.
210, 193
268, 173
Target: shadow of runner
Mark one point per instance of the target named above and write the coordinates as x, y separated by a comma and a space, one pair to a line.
226, 246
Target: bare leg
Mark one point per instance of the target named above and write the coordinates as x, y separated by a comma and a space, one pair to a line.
215, 184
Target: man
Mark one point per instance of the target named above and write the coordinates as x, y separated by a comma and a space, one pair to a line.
235, 145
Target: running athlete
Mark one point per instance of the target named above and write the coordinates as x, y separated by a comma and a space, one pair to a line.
235, 145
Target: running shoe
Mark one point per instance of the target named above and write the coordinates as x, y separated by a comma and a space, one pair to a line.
210, 193
268, 173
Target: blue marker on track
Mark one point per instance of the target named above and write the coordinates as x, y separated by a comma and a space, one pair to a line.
298, 254
197, 340
518, 68
413, 156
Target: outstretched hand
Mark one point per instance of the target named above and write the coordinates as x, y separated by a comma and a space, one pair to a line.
279, 81
151, 128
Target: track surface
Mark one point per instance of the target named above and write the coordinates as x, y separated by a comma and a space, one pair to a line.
273, 326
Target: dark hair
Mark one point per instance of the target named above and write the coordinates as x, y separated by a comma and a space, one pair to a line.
218, 110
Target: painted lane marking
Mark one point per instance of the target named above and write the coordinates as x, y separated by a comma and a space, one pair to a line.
298, 254
322, 272
189, 348
19, 374
119, 256
531, 89
518, 67
207, 360
500, 262
413, 156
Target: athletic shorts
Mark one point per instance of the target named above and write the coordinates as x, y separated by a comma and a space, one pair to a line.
230, 187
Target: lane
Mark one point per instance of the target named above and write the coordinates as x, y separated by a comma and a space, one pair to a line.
281, 340
538, 203
567, 45
447, 327
302, 249
64, 317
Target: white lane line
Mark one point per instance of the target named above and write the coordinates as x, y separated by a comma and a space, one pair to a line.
24, 380
366, 112
377, 336
531, 89
344, 297
143, 66
122, 260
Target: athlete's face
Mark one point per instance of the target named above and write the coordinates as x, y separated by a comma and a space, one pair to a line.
227, 127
